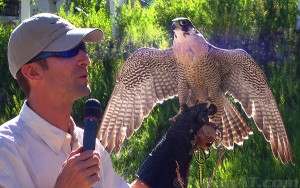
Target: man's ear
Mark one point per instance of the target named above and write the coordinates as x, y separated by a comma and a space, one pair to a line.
31, 71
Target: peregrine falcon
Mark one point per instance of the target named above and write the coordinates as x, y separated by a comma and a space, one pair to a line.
197, 72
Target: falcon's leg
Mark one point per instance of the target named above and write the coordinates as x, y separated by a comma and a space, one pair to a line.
208, 101
182, 108
183, 93
217, 119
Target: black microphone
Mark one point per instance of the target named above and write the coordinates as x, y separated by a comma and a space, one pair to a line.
91, 123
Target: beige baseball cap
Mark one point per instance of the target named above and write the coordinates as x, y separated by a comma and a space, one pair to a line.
45, 32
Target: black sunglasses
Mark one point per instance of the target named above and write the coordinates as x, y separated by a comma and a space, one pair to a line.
64, 54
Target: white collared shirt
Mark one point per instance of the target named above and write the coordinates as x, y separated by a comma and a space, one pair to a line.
32, 152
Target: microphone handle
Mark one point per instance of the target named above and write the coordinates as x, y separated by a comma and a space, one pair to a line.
90, 133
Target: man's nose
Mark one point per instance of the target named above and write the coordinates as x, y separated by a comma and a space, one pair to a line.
84, 59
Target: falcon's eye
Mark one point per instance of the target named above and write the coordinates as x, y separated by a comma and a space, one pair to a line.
183, 22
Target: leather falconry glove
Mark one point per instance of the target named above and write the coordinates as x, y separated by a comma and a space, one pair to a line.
168, 164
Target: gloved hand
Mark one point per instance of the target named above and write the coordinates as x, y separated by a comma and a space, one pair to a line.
172, 156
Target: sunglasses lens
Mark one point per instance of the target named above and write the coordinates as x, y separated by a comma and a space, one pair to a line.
70, 53
82, 47
65, 54
73, 52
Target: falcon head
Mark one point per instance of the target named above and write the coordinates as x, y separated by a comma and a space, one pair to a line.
183, 26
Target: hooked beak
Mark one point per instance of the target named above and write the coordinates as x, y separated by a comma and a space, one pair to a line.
173, 27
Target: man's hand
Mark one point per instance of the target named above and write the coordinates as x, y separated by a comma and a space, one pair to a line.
79, 170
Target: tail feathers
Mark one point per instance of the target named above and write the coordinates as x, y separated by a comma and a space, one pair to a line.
232, 126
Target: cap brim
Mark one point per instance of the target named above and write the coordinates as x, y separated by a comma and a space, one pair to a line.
73, 37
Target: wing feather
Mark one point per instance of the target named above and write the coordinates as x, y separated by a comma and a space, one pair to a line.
147, 77
246, 82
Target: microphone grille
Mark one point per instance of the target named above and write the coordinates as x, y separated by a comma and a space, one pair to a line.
92, 108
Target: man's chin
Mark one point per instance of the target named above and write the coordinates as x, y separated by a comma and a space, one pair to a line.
84, 92
87, 92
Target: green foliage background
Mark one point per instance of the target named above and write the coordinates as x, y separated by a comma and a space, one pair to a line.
265, 29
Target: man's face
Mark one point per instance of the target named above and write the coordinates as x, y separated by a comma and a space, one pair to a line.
68, 77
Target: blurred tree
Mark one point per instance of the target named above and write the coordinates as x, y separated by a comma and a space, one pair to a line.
52, 5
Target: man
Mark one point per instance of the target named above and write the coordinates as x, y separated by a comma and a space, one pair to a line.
41, 147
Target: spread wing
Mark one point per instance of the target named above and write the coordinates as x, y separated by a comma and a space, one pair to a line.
246, 82
147, 77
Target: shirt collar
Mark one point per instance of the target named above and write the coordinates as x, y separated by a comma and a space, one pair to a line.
51, 135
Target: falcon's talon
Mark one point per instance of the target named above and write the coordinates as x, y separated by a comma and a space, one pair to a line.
174, 118
208, 101
183, 106
208, 104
